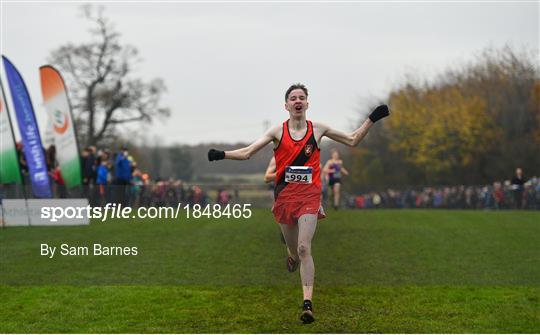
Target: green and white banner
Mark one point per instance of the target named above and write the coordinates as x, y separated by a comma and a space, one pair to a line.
57, 105
9, 165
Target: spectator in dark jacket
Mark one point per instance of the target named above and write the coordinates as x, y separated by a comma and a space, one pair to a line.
122, 176
122, 168
517, 188
88, 162
102, 179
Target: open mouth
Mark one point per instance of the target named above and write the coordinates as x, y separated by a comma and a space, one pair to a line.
298, 107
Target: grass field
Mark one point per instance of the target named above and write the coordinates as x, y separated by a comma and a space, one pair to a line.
376, 271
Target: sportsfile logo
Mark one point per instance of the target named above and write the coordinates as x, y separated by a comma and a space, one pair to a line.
118, 211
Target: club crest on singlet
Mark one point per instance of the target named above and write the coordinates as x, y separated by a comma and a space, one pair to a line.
308, 149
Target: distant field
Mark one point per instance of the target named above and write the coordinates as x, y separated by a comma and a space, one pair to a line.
376, 271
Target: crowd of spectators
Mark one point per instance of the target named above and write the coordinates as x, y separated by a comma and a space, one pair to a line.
115, 177
509, 194
109, 176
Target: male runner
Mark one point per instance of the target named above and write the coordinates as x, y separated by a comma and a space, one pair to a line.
298, 182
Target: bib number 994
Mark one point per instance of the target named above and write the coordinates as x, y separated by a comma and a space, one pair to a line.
291, 178
298, 174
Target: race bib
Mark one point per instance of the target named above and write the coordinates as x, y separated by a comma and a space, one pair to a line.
298, 174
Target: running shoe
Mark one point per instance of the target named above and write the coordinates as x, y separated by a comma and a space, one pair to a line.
307, 312
292, 264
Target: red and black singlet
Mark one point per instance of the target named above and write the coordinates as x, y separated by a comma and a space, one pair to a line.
304, 152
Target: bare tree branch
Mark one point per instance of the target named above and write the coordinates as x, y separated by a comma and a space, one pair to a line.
99, 76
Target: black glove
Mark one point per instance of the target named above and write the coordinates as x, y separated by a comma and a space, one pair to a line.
215, 155
379, 113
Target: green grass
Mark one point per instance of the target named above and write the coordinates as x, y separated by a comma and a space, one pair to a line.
271, 309
376, 271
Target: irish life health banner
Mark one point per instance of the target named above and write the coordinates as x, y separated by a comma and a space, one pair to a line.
57, 105
9, 165
33, 149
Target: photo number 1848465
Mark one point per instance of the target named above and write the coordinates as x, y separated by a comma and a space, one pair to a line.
218, 211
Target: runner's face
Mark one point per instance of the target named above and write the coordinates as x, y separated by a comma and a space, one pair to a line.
297, 102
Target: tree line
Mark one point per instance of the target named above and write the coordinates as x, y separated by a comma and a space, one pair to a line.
471, 125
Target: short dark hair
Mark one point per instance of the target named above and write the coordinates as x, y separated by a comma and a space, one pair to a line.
295, 87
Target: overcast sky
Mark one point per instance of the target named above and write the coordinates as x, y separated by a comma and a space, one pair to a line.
227, 65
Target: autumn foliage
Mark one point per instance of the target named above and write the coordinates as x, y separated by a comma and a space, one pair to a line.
472, 125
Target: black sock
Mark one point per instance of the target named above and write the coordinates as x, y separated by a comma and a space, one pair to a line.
307, 304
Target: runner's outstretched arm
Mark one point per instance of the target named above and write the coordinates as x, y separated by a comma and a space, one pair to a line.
270, 174
246, 152
352, 139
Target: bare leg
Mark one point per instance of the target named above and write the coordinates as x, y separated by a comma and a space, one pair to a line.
306, 229
290, 233
336, 191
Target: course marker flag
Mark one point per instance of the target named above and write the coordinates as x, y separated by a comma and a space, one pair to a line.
57, 104
26, 119
10, 172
